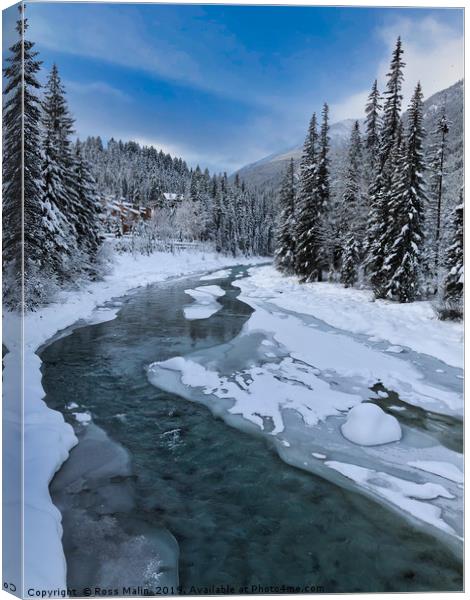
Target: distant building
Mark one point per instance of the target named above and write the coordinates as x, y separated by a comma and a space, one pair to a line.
120, 216
170, 199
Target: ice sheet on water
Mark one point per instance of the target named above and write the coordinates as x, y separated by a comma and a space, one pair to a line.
407, 495
216, 275
205, 304
412, 325
443, 469
301, 395
395, 349
103, 314
261, 393
347, 357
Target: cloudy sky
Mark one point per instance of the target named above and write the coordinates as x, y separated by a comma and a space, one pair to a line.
224, 86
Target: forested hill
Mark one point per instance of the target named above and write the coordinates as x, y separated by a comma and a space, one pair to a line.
191, 204
139, 174
270, 170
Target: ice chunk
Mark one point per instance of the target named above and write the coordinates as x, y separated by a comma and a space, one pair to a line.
368, 425
206, 304
407, 495
395, 349
102, 314
217, 275
82, 417
265, 391
443, 469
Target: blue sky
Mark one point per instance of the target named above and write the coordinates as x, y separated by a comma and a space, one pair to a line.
226, 85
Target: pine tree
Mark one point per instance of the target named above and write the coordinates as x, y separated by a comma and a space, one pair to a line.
58, 127
392, 105
78, 200
23, 249
56, 118
350, 260
88, 226
379, 234
451, 306
57, 233
373, 124
285, 251
307, 259
352, 216
323, 180
406, 210
326, 224
437, 168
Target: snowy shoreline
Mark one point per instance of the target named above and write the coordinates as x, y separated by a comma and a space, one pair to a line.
47, 438
411, 325
310, 379
335, 305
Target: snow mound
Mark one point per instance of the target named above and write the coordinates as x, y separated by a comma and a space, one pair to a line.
368, 425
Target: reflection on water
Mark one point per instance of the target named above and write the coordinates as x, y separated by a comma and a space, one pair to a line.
448, 430
240, 515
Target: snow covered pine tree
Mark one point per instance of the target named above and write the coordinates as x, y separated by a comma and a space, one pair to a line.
352, 211
78, 199
307, 260
451, 295
380, 234
437, 169
401, 266
285, 251
23, 248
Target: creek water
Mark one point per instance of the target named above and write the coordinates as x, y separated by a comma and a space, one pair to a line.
159, 484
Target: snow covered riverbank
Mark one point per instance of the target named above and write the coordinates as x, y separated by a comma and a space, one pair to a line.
300, 380
411, 325
47, 438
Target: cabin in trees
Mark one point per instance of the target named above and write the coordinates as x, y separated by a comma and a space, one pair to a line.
168, 200
121, 216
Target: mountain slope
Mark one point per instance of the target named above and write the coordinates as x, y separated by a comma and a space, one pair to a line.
269, 170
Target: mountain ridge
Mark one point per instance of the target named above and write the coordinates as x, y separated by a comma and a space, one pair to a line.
269, 170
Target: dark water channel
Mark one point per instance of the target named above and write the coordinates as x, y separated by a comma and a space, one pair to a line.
153, 463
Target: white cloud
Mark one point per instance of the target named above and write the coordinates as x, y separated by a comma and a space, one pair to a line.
192, 156
433, 53
124, 39
96, 87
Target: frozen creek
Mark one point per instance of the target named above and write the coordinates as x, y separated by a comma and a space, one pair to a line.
245, 495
